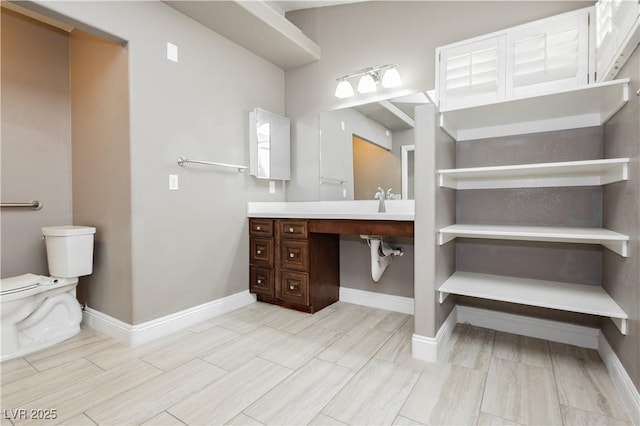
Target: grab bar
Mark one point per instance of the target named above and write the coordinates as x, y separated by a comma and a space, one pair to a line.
332, 180
35, 205
183, 161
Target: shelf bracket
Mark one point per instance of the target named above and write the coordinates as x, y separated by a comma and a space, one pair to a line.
442, 296
620, 247
445, 238
621, 323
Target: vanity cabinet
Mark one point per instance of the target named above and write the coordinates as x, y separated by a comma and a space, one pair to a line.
292, 267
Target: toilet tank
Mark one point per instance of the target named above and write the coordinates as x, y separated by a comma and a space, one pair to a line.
69, 250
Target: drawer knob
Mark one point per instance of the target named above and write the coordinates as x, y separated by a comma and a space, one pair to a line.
290, 229
292, 287
259, 281
259, 251
292, 255
257, 228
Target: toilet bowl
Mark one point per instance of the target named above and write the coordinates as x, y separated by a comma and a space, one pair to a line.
38, 311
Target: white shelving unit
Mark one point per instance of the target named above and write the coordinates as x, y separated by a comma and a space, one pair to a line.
586, 106
612, 240
580, 298
573, 173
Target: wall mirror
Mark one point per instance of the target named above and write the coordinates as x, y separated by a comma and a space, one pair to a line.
369, 146
269, 145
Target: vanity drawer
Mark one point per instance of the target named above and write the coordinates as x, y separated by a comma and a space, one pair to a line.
261, 228
296, 229
261, 251
261, 281
294, 287
294, 255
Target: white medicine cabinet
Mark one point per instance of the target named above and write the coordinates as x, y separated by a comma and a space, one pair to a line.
269, 145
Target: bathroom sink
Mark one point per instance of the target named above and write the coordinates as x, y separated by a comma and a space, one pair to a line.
355, 210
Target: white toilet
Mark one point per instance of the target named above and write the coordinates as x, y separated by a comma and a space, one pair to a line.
39, 311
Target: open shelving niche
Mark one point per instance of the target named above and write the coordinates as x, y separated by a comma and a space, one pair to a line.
586, 106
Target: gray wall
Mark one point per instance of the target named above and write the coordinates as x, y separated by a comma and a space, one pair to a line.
621, 213
189, 246
102, 168
394, 31
36, 139
571, 206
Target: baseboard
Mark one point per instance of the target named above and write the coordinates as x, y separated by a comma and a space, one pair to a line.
138, 334
555, 331
620, 378
430, 348
377, 300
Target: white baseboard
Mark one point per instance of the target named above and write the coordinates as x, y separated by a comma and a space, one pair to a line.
430, 348
621, 379
555, 331
377, 300
138, 334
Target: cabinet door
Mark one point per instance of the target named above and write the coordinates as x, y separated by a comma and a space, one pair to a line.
261, 281
613, 24
548, 55
261, 251
294, 255
294, 287
471, 73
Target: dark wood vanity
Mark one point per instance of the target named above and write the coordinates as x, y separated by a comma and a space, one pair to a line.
296, 262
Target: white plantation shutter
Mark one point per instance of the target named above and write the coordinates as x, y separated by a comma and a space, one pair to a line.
472, 74
605, 40
614, 21
548, 56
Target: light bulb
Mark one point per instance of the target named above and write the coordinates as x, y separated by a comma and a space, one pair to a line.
344, 90
366, 84
391, 78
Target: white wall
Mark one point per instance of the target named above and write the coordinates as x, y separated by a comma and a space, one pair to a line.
188, 246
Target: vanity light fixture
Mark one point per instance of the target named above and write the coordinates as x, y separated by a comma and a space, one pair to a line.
344, 89
387, 75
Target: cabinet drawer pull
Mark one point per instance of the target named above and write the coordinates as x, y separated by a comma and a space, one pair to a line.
259, 281
258, 228
292, 287
290, 229
258, 251
292, 255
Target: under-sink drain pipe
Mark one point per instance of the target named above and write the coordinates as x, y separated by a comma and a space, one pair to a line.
381, 255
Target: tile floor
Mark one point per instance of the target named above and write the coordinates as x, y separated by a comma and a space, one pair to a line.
347, 364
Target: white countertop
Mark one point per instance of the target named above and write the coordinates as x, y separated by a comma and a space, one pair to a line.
402, 210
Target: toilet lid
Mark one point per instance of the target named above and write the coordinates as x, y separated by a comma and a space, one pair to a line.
19, 283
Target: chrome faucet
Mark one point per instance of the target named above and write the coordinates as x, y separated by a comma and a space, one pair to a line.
389, 194
380, 197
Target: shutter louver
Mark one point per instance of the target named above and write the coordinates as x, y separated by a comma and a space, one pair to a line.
550, 56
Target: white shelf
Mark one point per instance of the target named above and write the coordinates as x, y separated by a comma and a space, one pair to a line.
573, 173
585, 106
584, 299
612, 240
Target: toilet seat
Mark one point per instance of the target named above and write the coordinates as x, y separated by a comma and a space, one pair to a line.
27, 284
20, 283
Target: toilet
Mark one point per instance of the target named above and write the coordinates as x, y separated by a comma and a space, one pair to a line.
39, 311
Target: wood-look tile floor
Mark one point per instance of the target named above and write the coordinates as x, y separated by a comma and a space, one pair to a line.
346, 364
